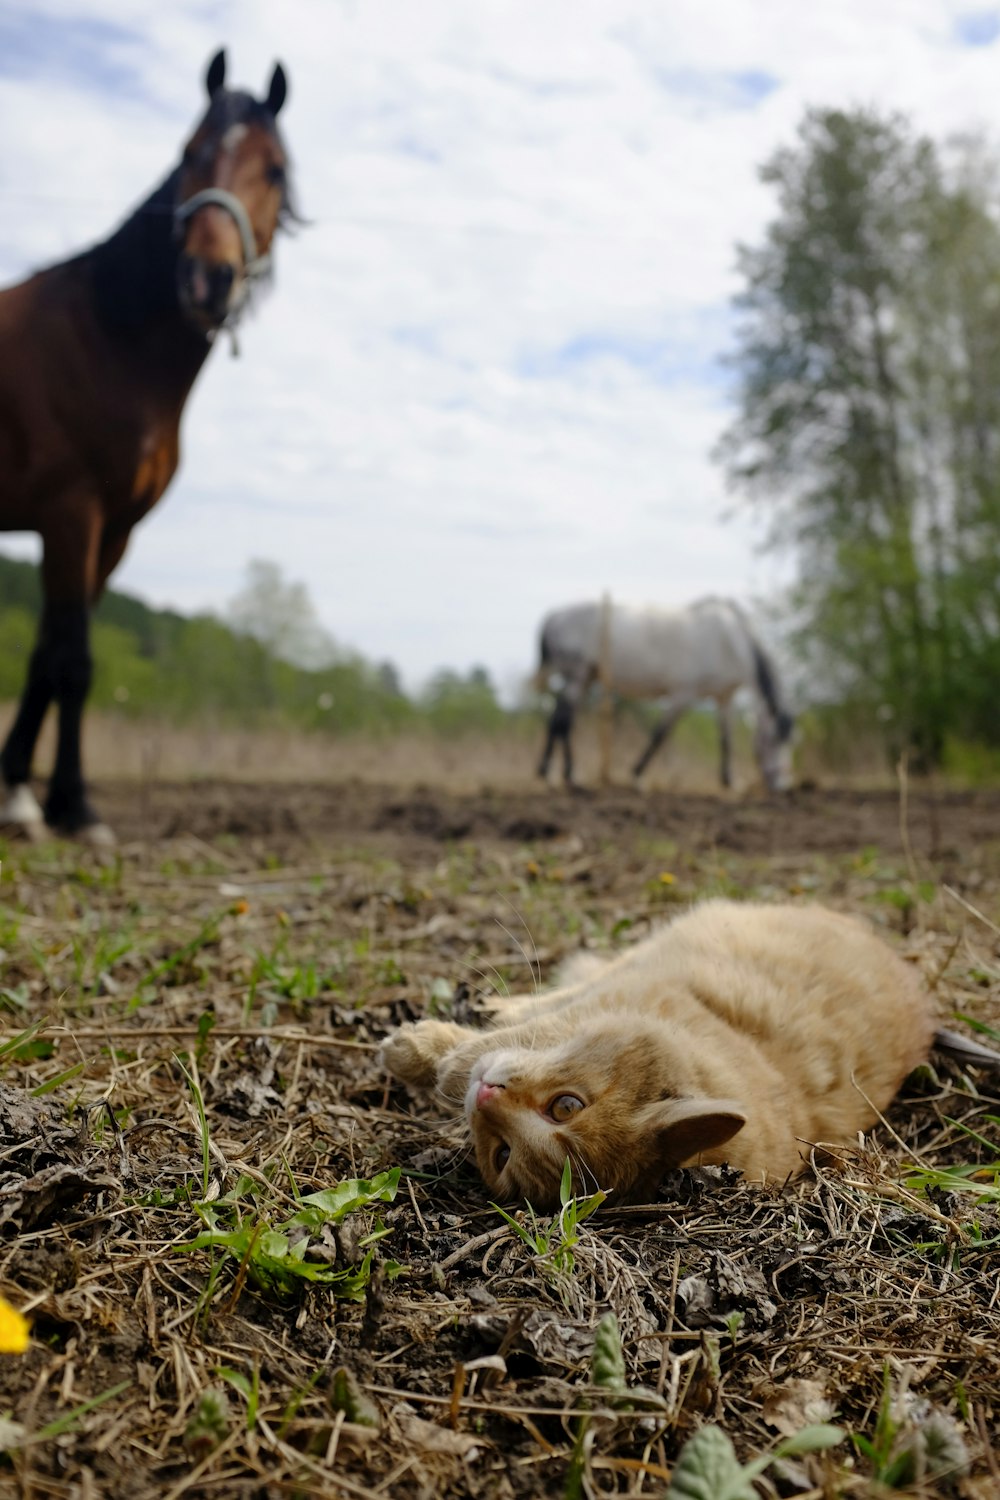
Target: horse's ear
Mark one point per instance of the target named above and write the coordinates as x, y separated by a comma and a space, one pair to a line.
278, 91
216, 75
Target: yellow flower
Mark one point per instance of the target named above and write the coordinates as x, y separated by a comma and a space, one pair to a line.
667, 879
13, 1329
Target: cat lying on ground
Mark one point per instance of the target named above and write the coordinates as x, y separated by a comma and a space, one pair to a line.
740, 1033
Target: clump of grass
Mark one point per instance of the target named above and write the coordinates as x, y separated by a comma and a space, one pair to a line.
280, 1258
553, 1240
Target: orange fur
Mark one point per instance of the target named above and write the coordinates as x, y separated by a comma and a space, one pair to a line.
740, 1033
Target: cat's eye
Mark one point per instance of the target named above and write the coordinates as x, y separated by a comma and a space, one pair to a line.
502, 1157
564, 1105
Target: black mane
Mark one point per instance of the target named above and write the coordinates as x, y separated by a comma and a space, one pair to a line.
135, 269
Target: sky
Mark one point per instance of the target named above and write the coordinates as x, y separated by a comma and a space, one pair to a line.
489, 376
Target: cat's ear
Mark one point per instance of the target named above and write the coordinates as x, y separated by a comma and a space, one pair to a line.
684, 1128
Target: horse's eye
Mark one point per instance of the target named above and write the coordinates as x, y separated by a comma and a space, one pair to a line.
564, 1105
501, 1158
276, 174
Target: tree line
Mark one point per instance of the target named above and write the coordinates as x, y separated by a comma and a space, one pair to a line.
269, 664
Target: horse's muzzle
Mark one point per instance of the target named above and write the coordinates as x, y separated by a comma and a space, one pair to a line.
206, 290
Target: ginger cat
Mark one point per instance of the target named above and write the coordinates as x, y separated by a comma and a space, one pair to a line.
739, 1033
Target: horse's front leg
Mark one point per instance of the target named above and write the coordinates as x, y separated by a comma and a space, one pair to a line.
20, 808
71, 670
72, 573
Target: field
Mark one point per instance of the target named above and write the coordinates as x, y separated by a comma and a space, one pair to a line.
196, 1026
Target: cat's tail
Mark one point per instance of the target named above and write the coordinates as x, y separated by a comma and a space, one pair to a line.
964, 1050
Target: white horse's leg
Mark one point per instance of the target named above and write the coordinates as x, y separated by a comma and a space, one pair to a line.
21, 813
725, 742
662, 731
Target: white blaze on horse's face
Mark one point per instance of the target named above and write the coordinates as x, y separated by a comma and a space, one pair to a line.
231, 192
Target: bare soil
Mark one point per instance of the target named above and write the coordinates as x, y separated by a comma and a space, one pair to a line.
246, 949
941, 822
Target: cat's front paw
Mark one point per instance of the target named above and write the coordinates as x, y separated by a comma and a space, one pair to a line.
414, 1052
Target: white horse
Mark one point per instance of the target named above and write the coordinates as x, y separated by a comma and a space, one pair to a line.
681, 656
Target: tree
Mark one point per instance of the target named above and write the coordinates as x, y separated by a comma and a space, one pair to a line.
281, 616
868, 365
454, 704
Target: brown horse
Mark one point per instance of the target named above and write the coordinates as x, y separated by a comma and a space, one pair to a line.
97, 357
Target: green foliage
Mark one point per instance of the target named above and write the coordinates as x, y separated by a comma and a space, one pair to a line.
868, 371
607, 1371
708, 1468
913, 1443
347, 1396
608, 1368
453, 703
978, 1179
208, 1424
280, 1258
248, 1387
553, 1239
271, 664
14, 1436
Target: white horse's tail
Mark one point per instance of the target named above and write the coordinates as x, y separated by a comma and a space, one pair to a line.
768, 683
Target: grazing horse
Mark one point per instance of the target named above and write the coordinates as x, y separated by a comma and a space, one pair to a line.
706, 650
97, 357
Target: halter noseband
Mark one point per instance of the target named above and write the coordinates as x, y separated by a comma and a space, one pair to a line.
255, 267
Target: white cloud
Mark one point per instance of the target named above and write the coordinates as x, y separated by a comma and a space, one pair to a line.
486, 380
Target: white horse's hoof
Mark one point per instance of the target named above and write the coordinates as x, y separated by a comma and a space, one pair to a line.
21, 814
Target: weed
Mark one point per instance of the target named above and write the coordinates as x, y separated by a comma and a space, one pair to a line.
554, 1240
206, 1143
708, 1468
913, 1442
249, 1389
279, 1258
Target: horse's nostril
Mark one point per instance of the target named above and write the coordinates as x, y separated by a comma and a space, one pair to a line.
222, 277
206, 288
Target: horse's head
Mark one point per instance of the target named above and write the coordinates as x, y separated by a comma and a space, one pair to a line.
773, 738
232, 193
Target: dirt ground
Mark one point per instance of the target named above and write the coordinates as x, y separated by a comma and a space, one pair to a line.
942, 824
188, 1048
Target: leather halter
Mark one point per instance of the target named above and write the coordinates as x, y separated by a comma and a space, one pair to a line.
255, 267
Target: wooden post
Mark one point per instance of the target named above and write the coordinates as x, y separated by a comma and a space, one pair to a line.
605, 706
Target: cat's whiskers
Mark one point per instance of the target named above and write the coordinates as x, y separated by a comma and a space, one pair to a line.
582, 1170
536, 979
457, 1157
497, 982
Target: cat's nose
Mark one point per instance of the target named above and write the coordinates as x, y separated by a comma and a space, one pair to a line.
486, 1092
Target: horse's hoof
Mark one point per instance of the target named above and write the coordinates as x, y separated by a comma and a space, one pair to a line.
96, 836
21, 816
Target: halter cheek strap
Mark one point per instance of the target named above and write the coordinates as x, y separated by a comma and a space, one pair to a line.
255, 266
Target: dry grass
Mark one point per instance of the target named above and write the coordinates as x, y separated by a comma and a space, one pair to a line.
146, 751
756, 1311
